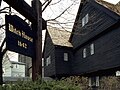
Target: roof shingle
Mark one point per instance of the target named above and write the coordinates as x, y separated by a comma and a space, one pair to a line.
60, 37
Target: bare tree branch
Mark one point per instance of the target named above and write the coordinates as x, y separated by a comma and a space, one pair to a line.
56, 2
2, 26
46, 5
3, 12
79, 29
4, 8
2, 44
4, 51
61, 13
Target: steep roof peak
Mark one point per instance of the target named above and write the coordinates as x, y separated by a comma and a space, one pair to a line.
110, 6
104, 2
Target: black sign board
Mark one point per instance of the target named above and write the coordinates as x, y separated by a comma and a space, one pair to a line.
19, 36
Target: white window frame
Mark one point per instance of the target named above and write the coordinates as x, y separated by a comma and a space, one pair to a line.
85, 20
48, 61
89, 82
66, 57
118, 73
92, 49
87, 16
94, 82
84, 53
42, 62
97, 81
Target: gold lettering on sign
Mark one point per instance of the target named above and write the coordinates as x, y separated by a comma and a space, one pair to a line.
27, 37
21, 44
14, 30
20, 33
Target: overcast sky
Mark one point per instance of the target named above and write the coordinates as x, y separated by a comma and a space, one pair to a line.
112, 1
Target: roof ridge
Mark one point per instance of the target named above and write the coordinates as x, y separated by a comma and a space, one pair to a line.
104, 2
110, 6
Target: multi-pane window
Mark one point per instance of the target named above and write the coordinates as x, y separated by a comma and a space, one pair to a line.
84, 53
94, 81
65, 56
48, 61
87, 51
97, 81
85, 20
92, 50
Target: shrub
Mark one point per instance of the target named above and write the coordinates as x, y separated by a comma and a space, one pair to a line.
109, 83
71, 83
41, 85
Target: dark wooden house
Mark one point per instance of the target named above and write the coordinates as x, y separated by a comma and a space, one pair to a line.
96, 39
57, 53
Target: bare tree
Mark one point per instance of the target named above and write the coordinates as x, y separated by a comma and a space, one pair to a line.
65, 18
62, 16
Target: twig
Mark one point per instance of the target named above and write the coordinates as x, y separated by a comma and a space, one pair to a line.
2, 44
46, 5
56, 2
61, 13
4, 8
2, 26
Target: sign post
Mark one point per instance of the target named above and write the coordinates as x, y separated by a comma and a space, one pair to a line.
37, 27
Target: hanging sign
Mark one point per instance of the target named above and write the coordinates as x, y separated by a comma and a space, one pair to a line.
19, 36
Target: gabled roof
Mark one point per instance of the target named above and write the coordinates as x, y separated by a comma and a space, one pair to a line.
60, 37
112, 7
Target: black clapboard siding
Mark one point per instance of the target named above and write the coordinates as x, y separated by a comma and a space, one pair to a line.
98, 22
58, 67
63, 67
107, 54
103, 30
49, 51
